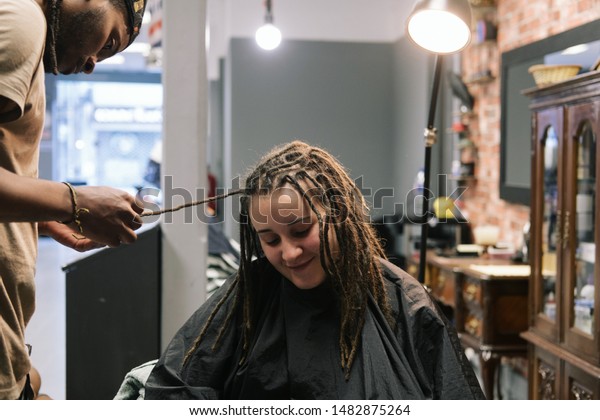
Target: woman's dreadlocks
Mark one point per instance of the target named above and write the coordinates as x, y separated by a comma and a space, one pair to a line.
314, 173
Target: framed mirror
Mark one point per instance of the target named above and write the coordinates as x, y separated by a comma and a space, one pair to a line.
580, 45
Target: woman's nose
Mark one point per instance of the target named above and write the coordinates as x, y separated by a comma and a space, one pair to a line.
290, 252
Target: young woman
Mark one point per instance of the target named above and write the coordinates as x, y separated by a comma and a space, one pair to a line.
315, 310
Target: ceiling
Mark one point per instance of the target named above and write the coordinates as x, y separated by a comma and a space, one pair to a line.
315, 20
339, 20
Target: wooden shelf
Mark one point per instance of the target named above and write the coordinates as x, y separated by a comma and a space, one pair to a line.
482, 10
462, 178
468, 114
487, 42
483, 5
478, 80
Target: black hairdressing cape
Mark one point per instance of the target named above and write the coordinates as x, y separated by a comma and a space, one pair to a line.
295, 352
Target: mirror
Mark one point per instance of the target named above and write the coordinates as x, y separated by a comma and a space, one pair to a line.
515, 119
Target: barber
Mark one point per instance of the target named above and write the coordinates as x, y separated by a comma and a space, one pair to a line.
57, 36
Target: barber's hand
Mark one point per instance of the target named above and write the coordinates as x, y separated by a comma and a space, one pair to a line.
113, 215
66, 236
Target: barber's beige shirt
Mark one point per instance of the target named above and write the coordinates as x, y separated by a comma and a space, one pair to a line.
22, 38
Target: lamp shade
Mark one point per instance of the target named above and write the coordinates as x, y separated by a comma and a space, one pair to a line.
440, 26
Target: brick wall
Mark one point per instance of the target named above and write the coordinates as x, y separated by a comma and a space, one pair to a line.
520, 22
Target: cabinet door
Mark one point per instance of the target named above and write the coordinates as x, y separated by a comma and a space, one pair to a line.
546, 221
581, 232
444, 287
544, 379
579, 384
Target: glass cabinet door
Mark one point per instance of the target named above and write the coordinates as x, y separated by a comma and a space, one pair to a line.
550, 226
580, 232
585, 246
546, 224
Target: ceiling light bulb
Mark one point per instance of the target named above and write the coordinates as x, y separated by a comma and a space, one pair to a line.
268, 37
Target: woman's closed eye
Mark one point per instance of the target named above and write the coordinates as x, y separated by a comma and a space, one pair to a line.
301, 233
274, 240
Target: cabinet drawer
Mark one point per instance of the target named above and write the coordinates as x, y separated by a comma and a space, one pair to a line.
474, 325
471, 292
443, 287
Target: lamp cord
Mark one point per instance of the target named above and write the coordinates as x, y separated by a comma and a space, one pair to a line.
269, 13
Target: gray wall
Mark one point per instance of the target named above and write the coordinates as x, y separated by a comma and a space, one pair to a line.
337, 95
413, 71
333, 94
214, 152
366, 103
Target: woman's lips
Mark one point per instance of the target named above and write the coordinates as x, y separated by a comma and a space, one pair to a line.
300, 266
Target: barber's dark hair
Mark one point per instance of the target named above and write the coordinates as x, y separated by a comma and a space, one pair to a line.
354, 272
122, 7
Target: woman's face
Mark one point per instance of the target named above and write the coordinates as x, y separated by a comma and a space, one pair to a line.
288, 231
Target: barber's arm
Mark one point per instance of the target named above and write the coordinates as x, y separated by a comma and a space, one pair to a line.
110, 218
66, 236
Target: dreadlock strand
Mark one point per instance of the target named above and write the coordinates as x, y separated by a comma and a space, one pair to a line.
209, 321
323, 228
147, 213
246, 248
354, 346
282, 167
52, 33
327, 260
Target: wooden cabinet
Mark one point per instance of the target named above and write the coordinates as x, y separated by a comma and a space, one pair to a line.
494, 314
486, 300
443, 279
564, 333
495, 310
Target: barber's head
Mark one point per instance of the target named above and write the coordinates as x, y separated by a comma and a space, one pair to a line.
84, 32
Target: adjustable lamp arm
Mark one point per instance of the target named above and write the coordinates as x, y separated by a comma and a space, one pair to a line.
430, 139
441, 27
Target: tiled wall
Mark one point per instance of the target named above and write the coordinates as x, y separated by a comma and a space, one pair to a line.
520, 22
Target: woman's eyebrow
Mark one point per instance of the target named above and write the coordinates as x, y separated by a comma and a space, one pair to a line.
267, 230
305, 219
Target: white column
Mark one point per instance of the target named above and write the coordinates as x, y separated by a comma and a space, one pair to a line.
184, 161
